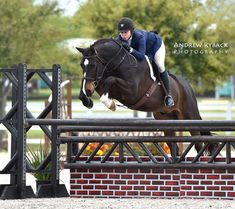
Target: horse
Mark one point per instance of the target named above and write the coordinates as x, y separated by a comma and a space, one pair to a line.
114, 73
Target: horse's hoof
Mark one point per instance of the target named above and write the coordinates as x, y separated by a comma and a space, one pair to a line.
113, 106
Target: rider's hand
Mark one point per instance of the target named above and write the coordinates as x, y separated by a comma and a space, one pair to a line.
126, 46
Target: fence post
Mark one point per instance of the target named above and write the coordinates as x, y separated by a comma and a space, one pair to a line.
57, 189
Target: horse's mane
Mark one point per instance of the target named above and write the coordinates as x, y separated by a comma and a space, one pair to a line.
102, 41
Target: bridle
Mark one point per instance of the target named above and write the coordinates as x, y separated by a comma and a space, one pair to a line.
107, 65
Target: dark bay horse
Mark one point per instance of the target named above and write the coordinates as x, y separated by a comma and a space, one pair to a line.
115, 74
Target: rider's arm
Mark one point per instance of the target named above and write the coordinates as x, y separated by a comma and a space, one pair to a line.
139, 52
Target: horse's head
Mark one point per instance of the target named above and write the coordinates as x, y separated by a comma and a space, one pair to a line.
96, 61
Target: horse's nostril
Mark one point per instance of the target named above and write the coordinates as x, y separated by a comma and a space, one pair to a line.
88, 93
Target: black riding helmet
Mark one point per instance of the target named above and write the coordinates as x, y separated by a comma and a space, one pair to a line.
125, 24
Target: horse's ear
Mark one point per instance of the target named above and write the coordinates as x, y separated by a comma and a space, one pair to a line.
80, 49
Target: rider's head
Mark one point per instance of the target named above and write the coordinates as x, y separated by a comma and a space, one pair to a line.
126, 27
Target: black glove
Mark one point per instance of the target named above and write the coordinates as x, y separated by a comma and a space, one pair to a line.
126, 46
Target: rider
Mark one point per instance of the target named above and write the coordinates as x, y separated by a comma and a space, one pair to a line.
140, 43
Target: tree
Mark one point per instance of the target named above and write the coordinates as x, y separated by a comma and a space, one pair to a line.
193, 33
31, 34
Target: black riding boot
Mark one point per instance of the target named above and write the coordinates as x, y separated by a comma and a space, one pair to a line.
168, 100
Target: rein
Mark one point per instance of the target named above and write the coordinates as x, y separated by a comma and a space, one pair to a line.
107, 65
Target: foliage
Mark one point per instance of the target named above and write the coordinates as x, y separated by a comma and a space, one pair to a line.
135, 147
190, 22
36, 158
32, 34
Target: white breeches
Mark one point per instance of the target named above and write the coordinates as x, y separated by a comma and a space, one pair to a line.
159, 58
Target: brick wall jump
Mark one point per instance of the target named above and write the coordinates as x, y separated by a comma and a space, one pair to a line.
164, 183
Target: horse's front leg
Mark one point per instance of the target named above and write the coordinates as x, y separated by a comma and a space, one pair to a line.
86, 101
109, 84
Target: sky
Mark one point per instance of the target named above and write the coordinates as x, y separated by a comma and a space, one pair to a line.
69, 6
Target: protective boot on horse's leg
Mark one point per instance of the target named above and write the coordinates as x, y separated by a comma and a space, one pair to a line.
159, 59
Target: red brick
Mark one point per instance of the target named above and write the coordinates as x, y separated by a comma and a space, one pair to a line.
165, 177
75, 175
182, 193
87, 176
120, 193
155, 170
139, 188
132, 182
82, 192
157, 182
231, 194
172, 183
126, 187
148, 176
107, 181
165, 188
101, 187
231, 170
113, 187
151, 187
114, 176
219, 182
231, 182
212, 188
158, 194
206, 182
72, 181
75, 186
88, 186
107, 193
199, 176
145, 170
82, 181
82, 170
177, 188
227, 176
72, 192
107, 170
119, 182
192, 193
220, 194
205, 170
212, 176
132, 193
94, 181
120, 170
176, 177
205, 193
198, 188
126, 176
172, 194
230, 188
219, 170
95, 170
139, 176
144, 193
186, 176
94, 192
172, 171
192, 170
101, 176
192, 182
133, 170
145, 182
186, 187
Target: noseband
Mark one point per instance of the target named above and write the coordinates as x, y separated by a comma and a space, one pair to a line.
107, 65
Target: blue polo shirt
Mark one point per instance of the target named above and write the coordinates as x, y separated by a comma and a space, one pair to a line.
144, 43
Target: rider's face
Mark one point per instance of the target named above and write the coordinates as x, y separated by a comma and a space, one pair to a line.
126, 35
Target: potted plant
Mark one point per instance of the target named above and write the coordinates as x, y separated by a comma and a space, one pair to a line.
35, 158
